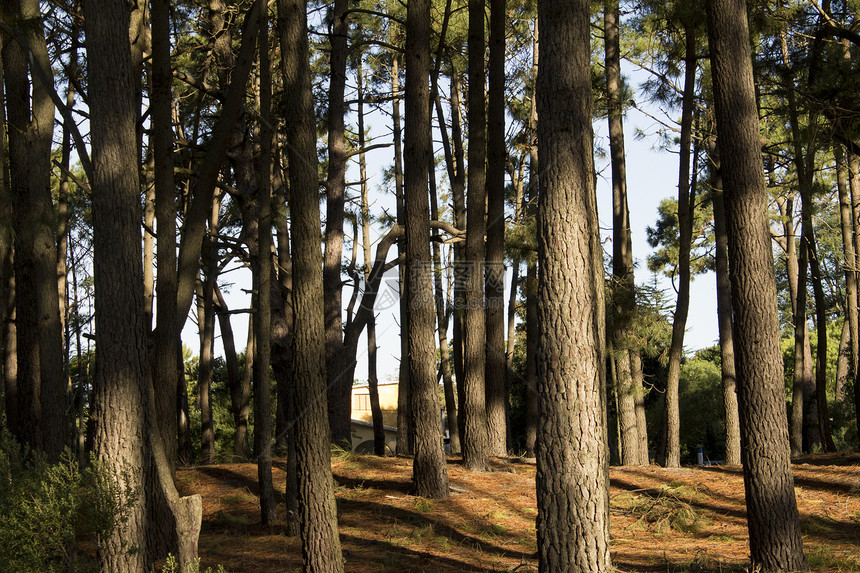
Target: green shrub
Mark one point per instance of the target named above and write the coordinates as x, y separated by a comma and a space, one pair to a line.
46, 508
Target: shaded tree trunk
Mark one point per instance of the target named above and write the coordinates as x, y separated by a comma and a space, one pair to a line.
318, 513
775, 537
496, 396
339, 386
263, 285
476, 446
42, 397
572, 480
724, 316
429, 469
238, 384
167, 347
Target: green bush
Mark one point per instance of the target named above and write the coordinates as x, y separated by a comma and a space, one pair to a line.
46, 508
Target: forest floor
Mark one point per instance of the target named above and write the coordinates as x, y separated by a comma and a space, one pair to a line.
689, 519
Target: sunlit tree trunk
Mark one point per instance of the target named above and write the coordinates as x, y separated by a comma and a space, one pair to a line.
572, 480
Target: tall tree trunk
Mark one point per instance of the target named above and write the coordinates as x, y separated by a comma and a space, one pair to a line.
775, 537
670, 441
532, 410
42, 396
8, 335
318, 526
372, 376
206, 320
263, 286
167, 348
429, 469
457, 174
854, 186
442, 321
724, 316
496, 397
476, 445
121, 376
822, 411
850, 256
339, 386
404, 412
238, 384
624, 295
572, 480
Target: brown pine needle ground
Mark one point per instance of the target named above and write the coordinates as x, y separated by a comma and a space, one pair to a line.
691, 519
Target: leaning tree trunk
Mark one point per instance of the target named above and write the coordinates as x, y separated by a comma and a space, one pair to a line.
318, 526
849, 253
670, 439
774, 528
572, 480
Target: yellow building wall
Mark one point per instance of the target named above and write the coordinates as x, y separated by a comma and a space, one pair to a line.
387, 403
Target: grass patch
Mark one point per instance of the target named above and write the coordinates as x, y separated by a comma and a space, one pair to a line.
825, 557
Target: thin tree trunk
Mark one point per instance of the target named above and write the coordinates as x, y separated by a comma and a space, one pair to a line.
624, 295
167, 348
457, 174
442, 323
825, 433
7, 283
263, 287
496, 397
671, 441
775, 536
849, 263
372, 376
339, 386
318, 526
206, 320
240, 394
572, 480
724, 317
404, 414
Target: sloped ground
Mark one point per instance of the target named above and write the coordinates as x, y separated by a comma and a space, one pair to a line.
691, 519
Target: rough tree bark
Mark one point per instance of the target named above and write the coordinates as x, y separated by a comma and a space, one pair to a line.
339, 386
429, 469
474, 409
318, 513
724, 314
572, 473
775, 537
496, 397
263, 285
42, 398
